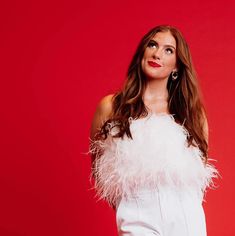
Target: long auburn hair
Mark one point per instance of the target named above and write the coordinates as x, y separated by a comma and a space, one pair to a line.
185, 97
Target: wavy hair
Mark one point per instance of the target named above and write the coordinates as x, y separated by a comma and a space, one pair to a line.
185, 97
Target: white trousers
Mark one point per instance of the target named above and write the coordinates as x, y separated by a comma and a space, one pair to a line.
162, 213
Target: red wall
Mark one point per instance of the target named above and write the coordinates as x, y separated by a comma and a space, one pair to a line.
58, 58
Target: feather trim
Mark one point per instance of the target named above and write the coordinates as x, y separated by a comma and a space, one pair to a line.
157, 156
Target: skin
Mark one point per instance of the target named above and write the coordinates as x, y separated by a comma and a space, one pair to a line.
102, 114
162, 50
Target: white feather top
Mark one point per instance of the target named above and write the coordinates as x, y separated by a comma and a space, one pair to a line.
157, 156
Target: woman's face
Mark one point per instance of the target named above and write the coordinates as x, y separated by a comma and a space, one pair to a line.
159, 58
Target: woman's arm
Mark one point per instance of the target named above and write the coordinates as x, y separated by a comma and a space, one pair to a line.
206, 129
102, 113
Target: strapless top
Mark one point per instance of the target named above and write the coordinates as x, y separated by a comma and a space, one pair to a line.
157, 156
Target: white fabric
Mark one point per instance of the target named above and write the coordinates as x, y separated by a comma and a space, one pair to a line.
161, 212
158, 155
155, 180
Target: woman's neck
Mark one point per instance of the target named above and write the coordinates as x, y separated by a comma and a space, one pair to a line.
156, 90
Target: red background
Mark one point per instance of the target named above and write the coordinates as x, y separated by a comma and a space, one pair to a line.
58, 58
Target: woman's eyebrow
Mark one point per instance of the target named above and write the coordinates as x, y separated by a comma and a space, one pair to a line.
166, 45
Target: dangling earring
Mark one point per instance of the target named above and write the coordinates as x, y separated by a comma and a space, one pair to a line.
174, 75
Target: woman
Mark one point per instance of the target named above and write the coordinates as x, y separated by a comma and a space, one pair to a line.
150, 142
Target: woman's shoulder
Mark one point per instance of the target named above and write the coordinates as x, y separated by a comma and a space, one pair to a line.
106, 102
102, 113
104, 107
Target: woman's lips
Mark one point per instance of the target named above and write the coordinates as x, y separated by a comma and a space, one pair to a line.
153, 64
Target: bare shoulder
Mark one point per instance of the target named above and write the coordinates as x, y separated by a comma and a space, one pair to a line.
105, 105
102, 113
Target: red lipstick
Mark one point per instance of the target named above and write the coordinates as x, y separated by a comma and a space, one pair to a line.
153, 64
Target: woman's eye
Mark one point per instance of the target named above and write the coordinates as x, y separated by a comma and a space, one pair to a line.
151, 44
169, 50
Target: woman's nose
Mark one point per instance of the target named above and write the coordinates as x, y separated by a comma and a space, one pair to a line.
157, 53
